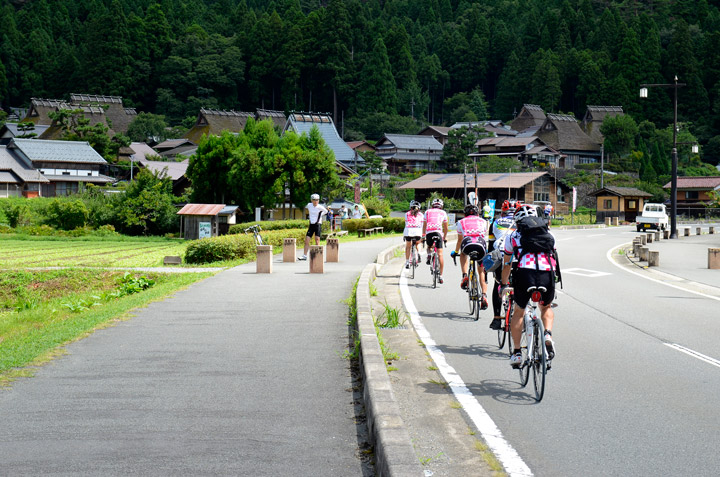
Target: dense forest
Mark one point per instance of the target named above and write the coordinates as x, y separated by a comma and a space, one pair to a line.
377, 66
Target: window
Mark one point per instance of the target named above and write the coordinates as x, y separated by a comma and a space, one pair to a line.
542, 189
560, 194
607, 204
692, 194
632, 204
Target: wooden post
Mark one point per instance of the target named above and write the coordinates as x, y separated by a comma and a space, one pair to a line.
289, 250
644, 253
666, 234
264, 259
316, 259
654, 258
636, 249
714, 258
333, 250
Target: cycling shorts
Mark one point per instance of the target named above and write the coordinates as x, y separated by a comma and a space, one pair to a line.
470, 245
524, 278
435, 237
314, 229
415, 238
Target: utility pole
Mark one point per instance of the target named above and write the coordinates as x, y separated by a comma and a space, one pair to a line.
602, 165
412, 108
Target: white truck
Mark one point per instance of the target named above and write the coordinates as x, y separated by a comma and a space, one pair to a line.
653, 216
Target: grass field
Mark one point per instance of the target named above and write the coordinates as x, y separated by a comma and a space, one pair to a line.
71, 252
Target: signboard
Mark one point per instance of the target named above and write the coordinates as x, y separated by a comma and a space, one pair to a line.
204, 230
451, 218
491, 203
574, 198
357, 192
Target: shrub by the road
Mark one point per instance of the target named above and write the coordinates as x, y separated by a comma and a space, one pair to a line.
237, 246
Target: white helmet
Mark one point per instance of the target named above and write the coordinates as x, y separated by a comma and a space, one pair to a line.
525, 210
314, 197
437, 203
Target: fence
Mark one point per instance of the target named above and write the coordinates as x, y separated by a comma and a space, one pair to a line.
698, 213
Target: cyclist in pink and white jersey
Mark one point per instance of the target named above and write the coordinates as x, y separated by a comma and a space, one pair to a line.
414, 220
472, 237
435, 230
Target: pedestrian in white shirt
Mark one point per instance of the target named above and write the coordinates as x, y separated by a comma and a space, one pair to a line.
356, 213
315, 213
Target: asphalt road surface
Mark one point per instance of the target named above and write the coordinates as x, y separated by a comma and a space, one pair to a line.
619, 400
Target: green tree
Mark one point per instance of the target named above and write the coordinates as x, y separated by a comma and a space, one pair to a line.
460, 143
496, 164
377, 91
209, 167
620, 134
76, 127
67, 214
147, 126
147, 205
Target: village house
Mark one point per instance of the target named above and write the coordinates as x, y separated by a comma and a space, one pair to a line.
693, 193
303, 122
530, 117
527, 150
625, 203
214, 122
562, 133
594, 117
18, 178
405, 153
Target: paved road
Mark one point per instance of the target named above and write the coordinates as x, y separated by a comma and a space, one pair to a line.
620, 400
241, 374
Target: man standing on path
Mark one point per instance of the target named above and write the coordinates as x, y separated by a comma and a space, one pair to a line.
315, 213
356, 213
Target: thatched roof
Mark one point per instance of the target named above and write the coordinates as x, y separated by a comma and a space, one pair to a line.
530, 115
562, 133
277, 117
594, 117
39, 109
215, 121
119, 117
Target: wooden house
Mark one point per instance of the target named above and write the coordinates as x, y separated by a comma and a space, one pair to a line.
18, 177
38, 112
200, 220
173, 170
531, 115
405, 152
215, 121
622, 202
562, 133
11, 130
117, 116
594, 117
693, 193
440, 133
527, 150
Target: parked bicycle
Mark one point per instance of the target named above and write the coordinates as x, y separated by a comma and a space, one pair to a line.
255, 229
532, 345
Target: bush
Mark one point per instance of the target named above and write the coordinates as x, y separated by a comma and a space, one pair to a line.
389, 224
269, 225
238, 246
377, 206
67, 215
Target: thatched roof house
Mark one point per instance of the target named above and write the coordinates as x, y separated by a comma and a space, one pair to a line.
277, 117
530, 115
215, 121
562, 133
594, 117
117, 116
39, 109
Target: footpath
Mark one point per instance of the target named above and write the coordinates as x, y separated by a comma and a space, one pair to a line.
239, 374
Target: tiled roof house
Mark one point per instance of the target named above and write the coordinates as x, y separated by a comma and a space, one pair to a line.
695, 190
17, 176
404, 152
303, 122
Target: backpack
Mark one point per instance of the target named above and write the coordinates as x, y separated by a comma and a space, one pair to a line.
535, 236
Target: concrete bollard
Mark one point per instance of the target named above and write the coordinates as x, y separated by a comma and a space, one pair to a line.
644, 253
264, 259
666, 234
316, 259
616, 221
698, 231
714, 258
654, 258
607, 221
658, 236
687, 232
650, 237
636, 249
711, 230
643, 239
289, 250
333, 250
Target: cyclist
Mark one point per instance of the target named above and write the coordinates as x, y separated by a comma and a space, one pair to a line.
533, 269
501, 226
414, 220
315, 213
547, 211
435, 229
472, 237
487, 212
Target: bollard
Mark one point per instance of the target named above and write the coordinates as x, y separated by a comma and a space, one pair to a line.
714, 258
644, 253
636, 249
616, 220
289, 250
315, 259
333, 250
666, 234
607, 221
687, 232
658, 236
698, 231
650, 237
654, 258
263, 263
711, 230
643, 239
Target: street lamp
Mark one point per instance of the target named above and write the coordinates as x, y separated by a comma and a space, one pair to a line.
673, 174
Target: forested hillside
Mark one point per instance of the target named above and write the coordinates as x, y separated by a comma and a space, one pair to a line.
368, 61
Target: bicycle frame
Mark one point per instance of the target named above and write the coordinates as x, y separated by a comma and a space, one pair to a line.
255, 229
533, 332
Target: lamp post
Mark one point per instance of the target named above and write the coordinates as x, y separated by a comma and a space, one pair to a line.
673, 173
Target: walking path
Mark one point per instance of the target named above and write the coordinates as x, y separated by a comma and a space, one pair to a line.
240, 374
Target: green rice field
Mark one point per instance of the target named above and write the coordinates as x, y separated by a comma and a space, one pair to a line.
68, 252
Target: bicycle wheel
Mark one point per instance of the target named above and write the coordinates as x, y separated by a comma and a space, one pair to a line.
475, 293
539, 358
525, 367
471, 302
504, 331
434, 269
413, 261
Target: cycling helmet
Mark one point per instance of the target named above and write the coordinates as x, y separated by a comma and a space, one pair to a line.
414, 204
437, 204
510, 205
525, 211
314, 197
471, 209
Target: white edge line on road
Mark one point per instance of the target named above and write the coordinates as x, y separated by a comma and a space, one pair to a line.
694, 354
609, 257
506, 454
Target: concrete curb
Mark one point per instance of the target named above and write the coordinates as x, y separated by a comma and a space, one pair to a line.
394, 453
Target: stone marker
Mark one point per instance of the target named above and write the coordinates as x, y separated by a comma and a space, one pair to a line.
711, 230
289, 250
714, 258
644, 253
666, 234
636, 249
687, 232
333, 250
658, 236
264, 259
315, 259
654, 258
650, 237
698, 231
607, 221
172, 260
616, 220
643, 239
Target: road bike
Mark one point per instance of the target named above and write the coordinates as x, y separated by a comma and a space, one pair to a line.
532, 345
508, 303
414, 256
473, 286
257, 238
434, 264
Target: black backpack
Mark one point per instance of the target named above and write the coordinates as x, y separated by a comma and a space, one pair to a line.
535, 236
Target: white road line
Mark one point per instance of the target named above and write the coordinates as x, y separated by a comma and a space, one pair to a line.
694, 354
609, 257
506, 454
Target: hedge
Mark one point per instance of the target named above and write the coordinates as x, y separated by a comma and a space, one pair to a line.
389, 224
237, 246
269, 225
